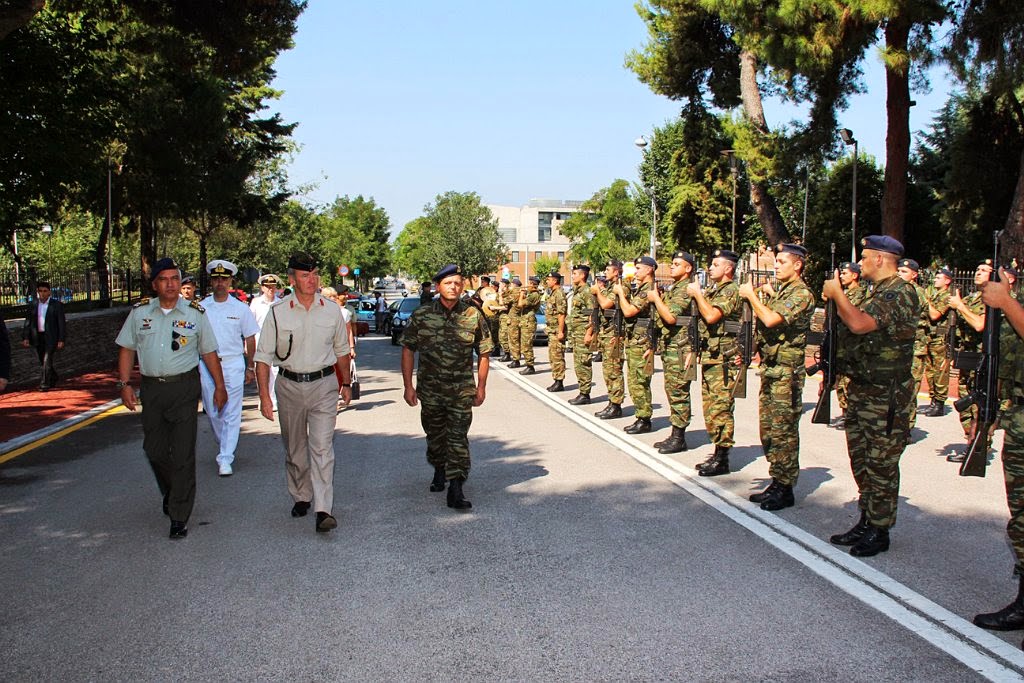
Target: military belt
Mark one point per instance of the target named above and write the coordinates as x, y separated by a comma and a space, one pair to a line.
307, 376
172, 378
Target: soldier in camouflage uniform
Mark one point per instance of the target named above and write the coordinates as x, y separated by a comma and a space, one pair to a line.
785, 316
1011, 376
909, 270
583, 333
446, 332
679, 358
636, 308
529, 304
503, 301
514, 316
970, 324
554, 312
878, 353
936, 358
608, 315
849, 276
719, 310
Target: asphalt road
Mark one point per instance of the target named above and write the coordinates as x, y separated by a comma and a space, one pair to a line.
586, 557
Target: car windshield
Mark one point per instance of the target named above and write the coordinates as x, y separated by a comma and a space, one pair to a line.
367, 305
408, 305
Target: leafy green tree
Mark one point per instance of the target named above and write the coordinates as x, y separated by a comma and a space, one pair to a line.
607, 226
459, 229
368, 247
545, 265
408, 254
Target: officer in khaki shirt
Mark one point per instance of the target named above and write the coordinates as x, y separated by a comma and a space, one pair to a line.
305, 335
169, 334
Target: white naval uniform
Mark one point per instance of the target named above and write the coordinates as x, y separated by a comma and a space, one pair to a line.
232, 322
260, 307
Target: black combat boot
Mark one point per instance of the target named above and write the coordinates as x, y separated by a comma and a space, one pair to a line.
456, 500
779, 498
675, 443
507, 358
610, 411
937, 409
556, 386
875, 540
596, 357
759, 497
717, 465
580, 400
854, 534
438, 482
641, 426
1010, 618
515, 364
528, 370
497, 352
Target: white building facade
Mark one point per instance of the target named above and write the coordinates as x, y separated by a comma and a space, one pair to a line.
531, 232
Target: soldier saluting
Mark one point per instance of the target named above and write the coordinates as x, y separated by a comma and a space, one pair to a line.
877, 357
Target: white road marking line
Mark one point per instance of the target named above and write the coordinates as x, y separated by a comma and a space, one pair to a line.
977, 649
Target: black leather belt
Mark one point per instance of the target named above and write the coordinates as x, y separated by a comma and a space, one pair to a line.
307, 376
172, 378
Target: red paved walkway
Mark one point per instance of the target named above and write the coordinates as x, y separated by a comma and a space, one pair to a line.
25, 411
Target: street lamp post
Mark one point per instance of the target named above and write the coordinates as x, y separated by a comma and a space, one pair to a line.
48, 231
641, 143
847, 135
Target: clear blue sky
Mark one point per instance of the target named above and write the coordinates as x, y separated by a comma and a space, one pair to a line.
404, 100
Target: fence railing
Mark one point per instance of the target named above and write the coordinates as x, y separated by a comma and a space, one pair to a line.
79, 291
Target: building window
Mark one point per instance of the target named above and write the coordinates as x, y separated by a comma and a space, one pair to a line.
561, 256
536, 256
515, 257
544, 225
508, 235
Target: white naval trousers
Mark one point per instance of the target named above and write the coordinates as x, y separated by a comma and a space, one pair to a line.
227, 421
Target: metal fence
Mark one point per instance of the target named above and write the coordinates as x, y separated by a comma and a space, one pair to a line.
79, 291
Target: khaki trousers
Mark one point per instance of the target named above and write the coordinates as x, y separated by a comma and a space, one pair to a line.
308, 412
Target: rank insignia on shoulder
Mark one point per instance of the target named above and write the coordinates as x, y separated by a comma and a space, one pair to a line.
195, 305
141, 302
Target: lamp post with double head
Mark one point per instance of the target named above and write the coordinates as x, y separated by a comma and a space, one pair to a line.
641, 143
847, 135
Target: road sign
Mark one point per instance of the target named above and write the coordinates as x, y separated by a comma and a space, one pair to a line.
343, 270
355, 271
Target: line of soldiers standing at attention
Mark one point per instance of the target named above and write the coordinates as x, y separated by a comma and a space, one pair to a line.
892, 333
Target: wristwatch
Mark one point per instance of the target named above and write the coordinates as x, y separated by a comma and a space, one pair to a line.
120, 385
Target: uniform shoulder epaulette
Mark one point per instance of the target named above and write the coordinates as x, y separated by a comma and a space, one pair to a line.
195, 304
141, 302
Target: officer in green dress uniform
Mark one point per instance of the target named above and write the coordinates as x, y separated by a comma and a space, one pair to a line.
446, 333
169, 335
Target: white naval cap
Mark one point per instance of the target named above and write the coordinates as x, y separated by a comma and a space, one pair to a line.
221, 268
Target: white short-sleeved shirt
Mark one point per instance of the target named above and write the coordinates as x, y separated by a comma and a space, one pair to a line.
232, 322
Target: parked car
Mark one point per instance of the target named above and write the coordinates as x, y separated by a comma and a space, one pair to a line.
398, 316
365, 308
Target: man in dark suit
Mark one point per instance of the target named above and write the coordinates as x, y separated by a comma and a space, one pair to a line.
44, 329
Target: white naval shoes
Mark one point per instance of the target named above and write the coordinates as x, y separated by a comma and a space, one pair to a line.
225, 470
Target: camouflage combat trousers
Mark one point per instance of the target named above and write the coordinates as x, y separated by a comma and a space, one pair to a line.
638, 381
842, 391
936, 369
527, 328
874, 453
1013, 473
611, 365
916, 373
513, 337
677, 383
556, 355
966, 385
503, 333
581, 359
446, 424
716, 384
779, 407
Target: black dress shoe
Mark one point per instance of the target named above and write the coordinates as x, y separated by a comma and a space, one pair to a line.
300, 508
580, 400
779, 499
325, 522
178, 530
439, 481
854, 534
875, 540
515, 364
556, 386
528, 370
641, 426
456, 500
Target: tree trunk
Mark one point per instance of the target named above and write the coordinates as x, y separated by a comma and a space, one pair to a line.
764, 205
897, 136
1012, 240
100, 260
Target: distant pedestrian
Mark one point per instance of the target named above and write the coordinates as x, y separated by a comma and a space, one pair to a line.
380, 309
236, 329
260, 307
170, 335
446, 333
425, 292
306, 336
44, 330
